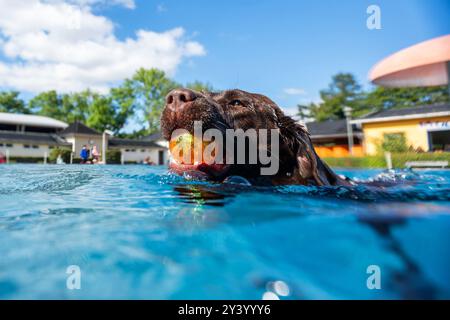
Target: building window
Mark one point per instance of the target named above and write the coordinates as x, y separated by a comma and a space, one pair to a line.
8, 127
439, 140
142, 150
1, 144
127, 150
35, 147
160, 157
51, 147
26, 146
9, 145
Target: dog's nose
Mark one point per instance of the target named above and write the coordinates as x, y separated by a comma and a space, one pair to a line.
176, 99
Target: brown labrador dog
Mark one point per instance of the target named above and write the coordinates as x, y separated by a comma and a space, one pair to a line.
237, 109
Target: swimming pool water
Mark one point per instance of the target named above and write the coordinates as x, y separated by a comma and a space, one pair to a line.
138, 232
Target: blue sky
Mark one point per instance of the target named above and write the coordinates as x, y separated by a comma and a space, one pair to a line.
270, 46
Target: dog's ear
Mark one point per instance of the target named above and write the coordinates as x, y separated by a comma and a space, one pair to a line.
310, 166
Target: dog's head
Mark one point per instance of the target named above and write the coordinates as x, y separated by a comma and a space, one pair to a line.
237, 109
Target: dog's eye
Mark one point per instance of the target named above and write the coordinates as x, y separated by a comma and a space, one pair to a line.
235, 103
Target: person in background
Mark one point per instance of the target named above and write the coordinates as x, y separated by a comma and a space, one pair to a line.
95, 154
2, 158
149, 161
84, 154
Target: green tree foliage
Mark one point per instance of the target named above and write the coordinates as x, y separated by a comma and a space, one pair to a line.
53, 105
149, 89
304, 111
101, 115
200, 86
98, 111
65, 107
135, 134
109, 112
64, 153
344, 90
122, 100
141, 98
387, 98
10, 102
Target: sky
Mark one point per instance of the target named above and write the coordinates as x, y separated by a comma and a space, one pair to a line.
287, 50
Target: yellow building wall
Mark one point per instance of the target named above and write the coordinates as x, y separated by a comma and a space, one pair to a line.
416, 136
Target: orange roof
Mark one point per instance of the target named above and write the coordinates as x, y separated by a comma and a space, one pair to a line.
424, 64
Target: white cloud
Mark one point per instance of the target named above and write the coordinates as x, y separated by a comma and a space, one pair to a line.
130, 4
59, 45
291, 111
294, 91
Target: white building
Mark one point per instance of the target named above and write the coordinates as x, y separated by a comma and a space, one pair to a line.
25, 137
30, 138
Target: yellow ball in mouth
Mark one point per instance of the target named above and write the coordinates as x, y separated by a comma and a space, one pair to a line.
188, 150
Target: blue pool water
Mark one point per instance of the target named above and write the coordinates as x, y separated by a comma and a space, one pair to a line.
140, 232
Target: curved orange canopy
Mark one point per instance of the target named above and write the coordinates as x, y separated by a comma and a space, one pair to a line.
424, 64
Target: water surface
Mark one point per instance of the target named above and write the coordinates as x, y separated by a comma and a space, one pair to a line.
139, 232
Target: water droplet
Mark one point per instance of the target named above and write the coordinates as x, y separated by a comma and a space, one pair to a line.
270, 296
281, 288
237, 180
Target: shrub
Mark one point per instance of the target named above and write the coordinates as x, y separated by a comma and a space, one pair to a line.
26, 160
63, 152
394, 142
113, 156
398, 160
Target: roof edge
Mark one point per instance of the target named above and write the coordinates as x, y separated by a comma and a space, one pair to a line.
404, 117
338, 135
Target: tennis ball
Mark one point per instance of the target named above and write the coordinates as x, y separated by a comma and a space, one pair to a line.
182, 149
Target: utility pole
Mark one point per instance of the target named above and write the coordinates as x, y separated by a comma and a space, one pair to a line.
348, 117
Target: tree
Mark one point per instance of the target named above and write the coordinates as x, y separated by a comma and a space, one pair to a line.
65, 107
76, 106
344, 90
304, 111
200, 86
149, 89
122, 102
49, 104
101, 114
135, 134
142, 96
10, 102
396, 98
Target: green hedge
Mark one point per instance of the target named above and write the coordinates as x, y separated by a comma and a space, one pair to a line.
63, 152
26, 160
398, 160
113, 156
